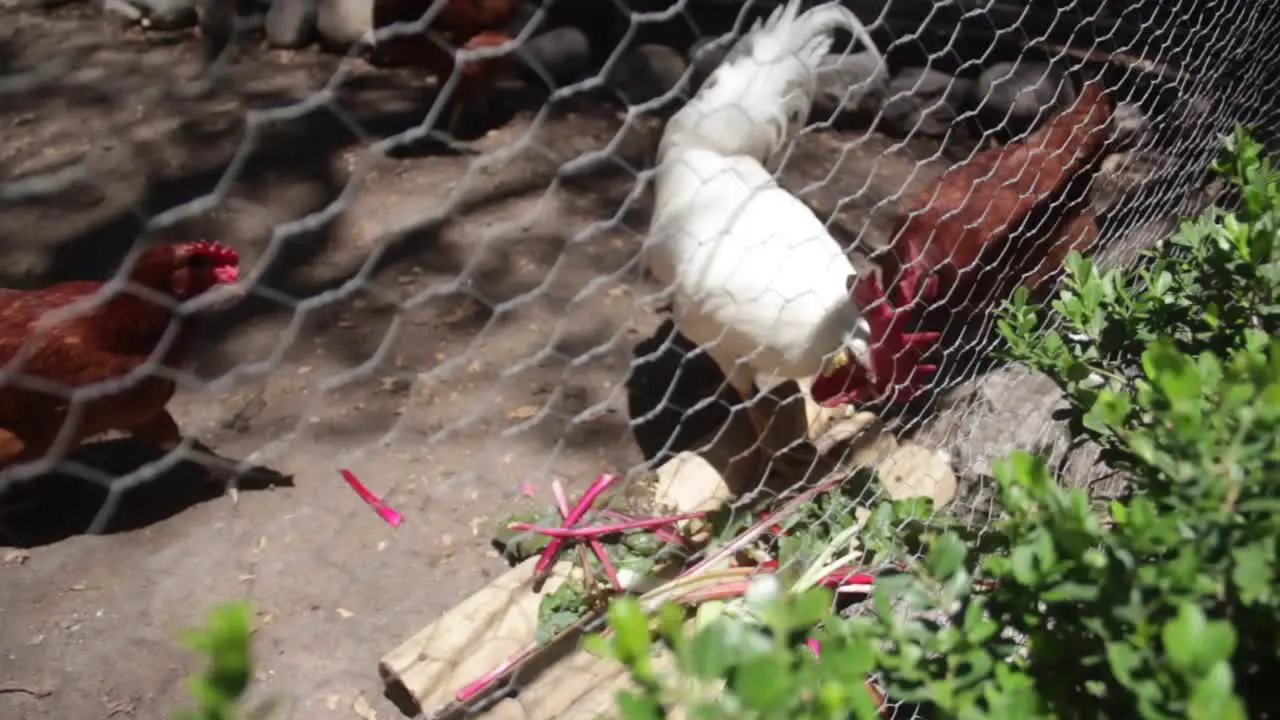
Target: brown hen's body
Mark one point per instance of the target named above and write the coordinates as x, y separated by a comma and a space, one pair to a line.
1006, 217
81, 363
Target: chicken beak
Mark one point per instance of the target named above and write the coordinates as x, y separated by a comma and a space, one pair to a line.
836, 362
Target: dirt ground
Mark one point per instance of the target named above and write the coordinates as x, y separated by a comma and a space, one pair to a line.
448, 326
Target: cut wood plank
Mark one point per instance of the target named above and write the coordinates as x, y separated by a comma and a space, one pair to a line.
586, 688
474, 637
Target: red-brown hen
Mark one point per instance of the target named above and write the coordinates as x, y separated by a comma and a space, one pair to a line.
1007, 216
80, 359
466, 24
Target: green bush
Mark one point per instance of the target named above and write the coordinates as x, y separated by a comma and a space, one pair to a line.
1162, 604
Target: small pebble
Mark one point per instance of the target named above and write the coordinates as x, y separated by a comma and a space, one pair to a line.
122, 9
167, 14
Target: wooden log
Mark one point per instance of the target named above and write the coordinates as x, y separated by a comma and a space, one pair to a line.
474, 637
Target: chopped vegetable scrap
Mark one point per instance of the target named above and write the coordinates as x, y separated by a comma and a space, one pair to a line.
384, 511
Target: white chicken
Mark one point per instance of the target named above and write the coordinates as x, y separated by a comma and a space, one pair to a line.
756, 280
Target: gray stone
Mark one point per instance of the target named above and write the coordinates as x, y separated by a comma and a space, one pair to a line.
560, 55
291, 23
706, 55
122, 10
1012, 408
851, 83
926, 101
167, 14
1129, 123
1022, 91
341, 23
646, 72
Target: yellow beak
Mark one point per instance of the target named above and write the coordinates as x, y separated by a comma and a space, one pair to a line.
836, 362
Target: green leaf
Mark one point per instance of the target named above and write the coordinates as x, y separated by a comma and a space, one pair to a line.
1254, 573
1109, 412
1193, 643
1124, 660
630, 629
1213, 698
600, 646
763, 681
712, 652
1071, 592
1023, 564
671, 619
809, 608
946, 556
638, 707
1175, 374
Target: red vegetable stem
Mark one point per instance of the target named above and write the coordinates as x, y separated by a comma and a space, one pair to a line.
389, 515
662, 534
609, 570
730, 589
562, 502
549, 553
474, 687
597, 530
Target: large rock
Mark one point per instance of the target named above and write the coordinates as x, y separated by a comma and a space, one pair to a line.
559, 56
926, 101
291, 23
705, 55
1022, 92
851, 83
646, 72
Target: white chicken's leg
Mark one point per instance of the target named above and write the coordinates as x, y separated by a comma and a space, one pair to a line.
743, 382
776, 451
742, 379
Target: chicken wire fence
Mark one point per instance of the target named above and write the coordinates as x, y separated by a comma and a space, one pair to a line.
473, 317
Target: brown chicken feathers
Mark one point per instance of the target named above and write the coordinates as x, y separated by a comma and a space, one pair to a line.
102, 347
1007, 216
469, 24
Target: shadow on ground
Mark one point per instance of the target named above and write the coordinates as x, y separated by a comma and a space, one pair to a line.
58, 505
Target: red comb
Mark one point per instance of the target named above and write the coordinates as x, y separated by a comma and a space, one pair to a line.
217, 251
897, 373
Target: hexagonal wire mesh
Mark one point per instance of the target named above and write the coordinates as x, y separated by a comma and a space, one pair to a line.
463, 322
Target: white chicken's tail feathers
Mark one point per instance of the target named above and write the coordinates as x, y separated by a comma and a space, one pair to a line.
763, 91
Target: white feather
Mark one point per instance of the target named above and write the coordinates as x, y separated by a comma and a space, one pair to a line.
756, 277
